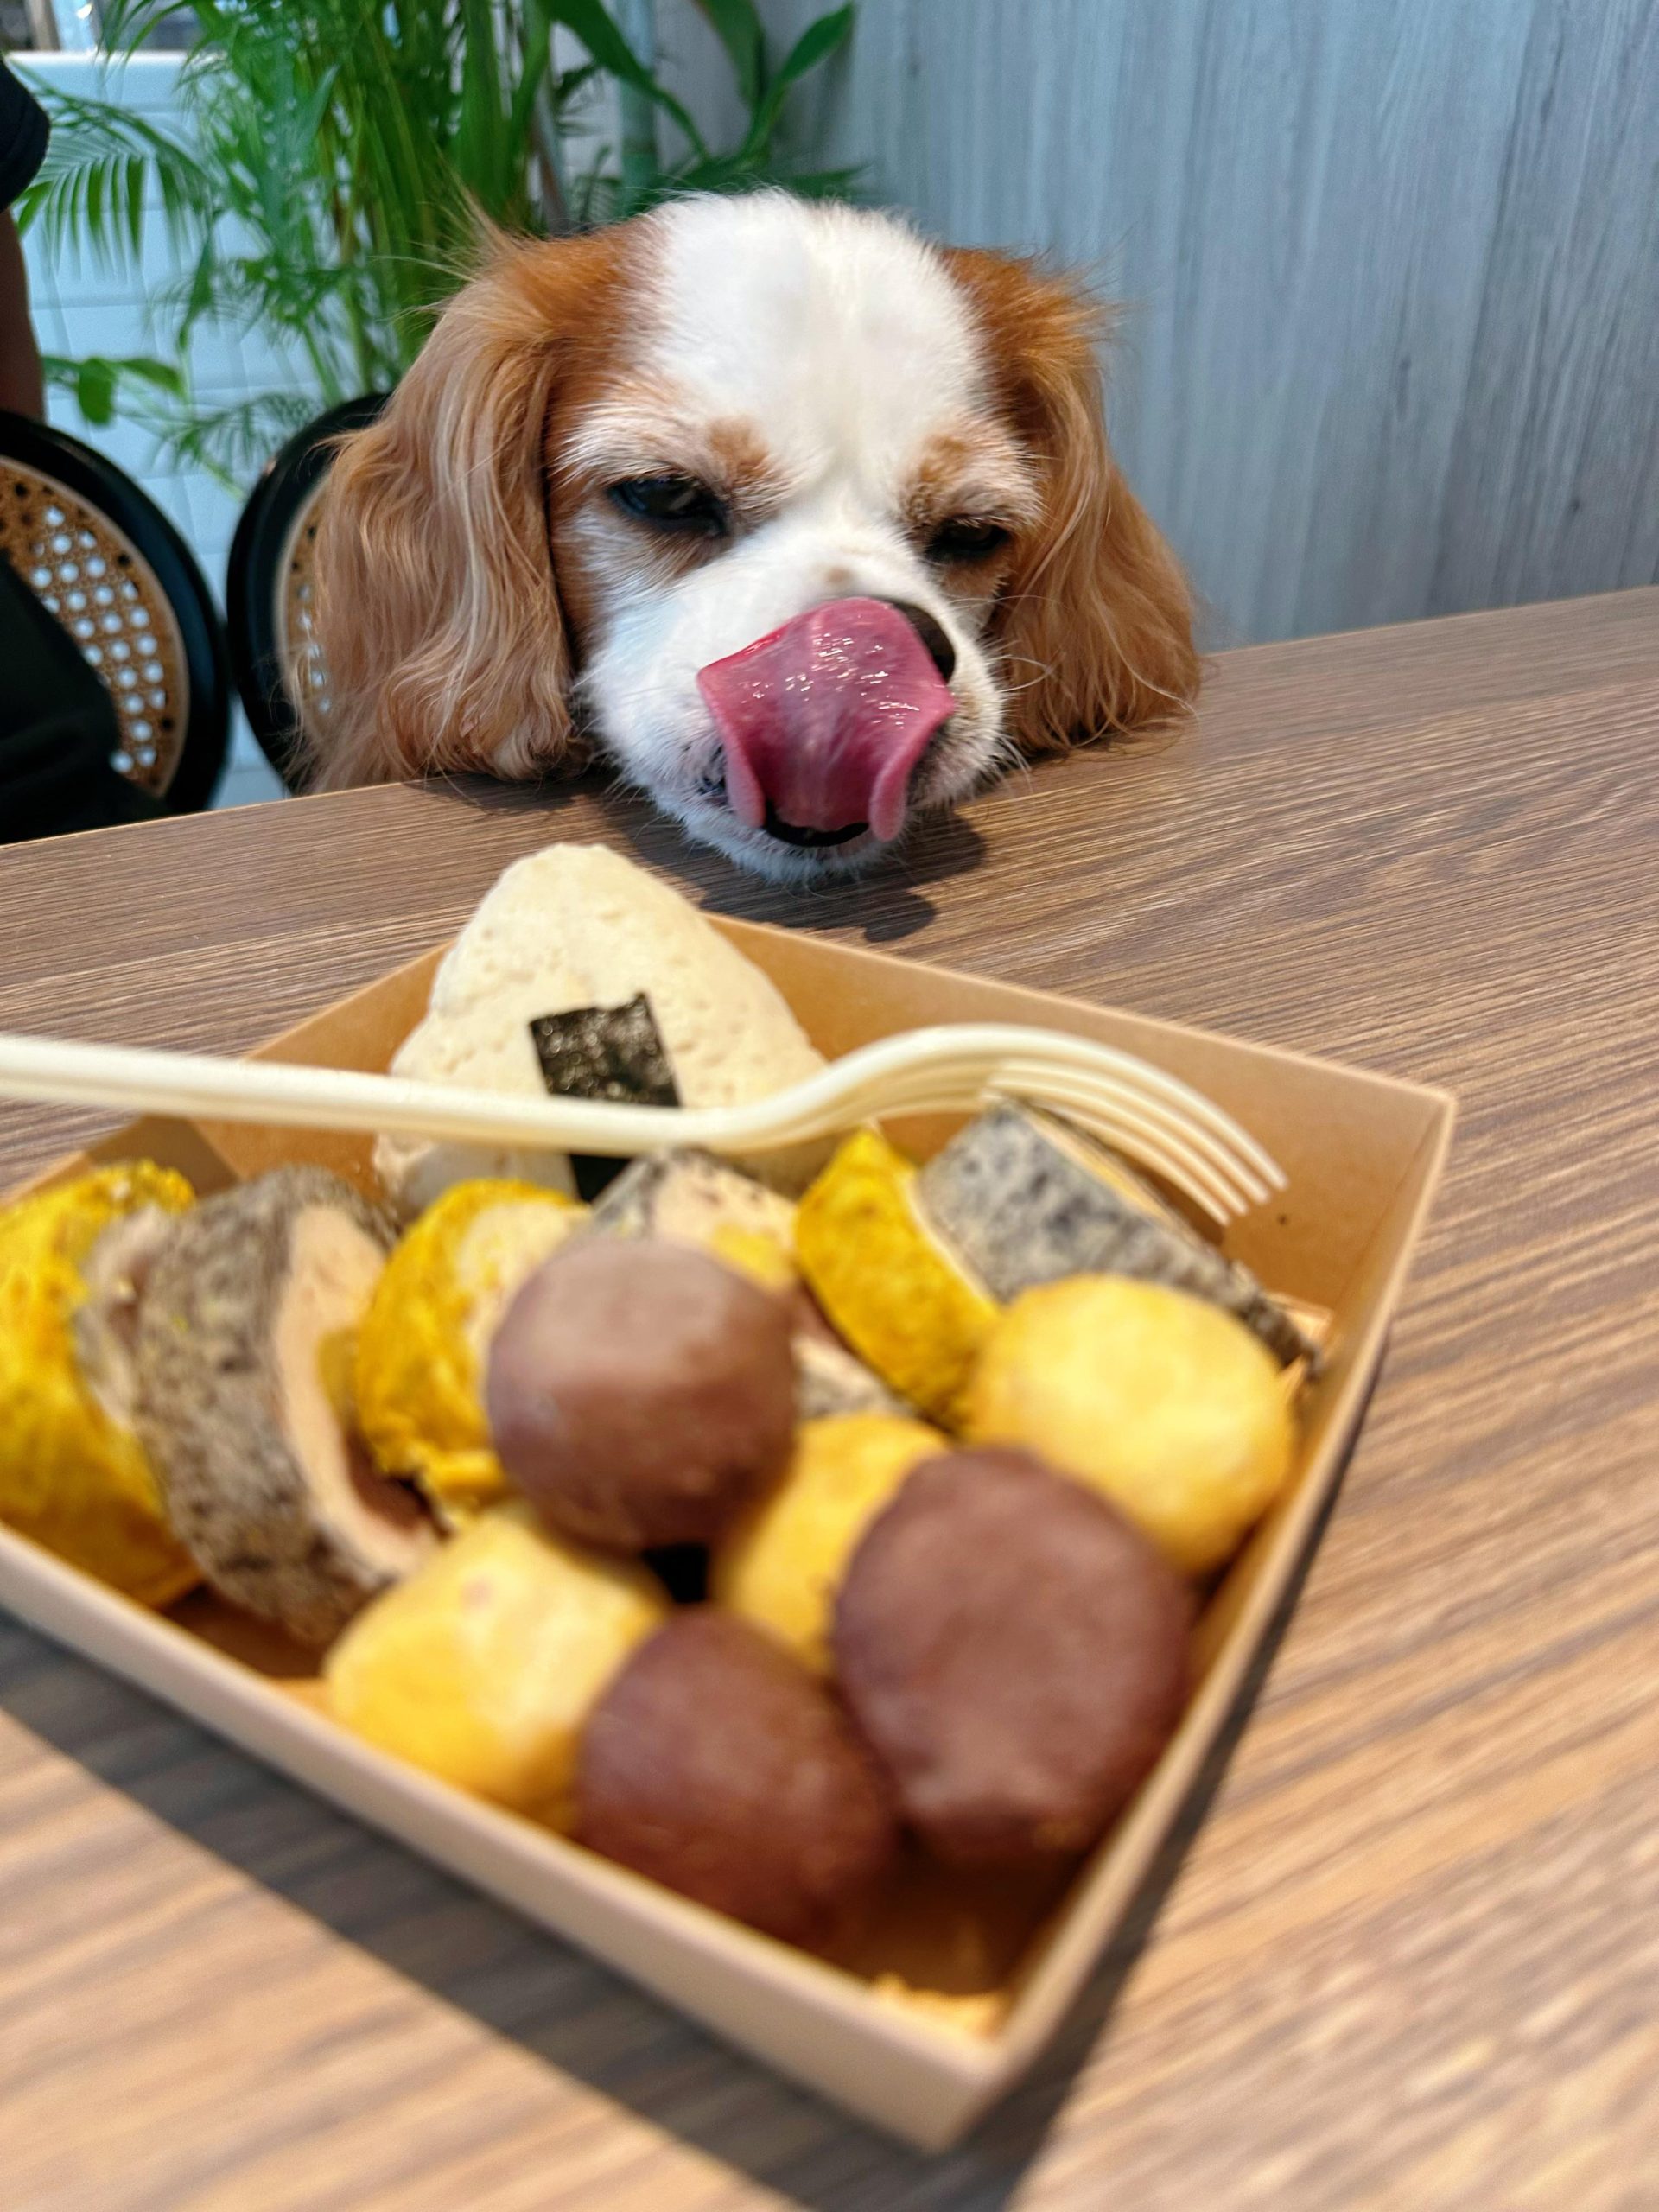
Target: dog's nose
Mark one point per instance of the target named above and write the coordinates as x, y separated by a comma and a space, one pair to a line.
940, 650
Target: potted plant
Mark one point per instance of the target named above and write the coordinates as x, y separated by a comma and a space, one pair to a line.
334, 159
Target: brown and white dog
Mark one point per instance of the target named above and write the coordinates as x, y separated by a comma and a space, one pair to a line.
808, 526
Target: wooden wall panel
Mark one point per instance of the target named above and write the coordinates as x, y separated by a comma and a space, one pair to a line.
1391, 268
1554, 486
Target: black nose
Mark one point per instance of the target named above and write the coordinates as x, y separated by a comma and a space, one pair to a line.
940, 650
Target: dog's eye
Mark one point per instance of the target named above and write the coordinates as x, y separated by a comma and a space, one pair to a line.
671, 502
961, 539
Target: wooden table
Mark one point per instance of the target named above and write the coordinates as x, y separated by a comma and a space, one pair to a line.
1412, 1959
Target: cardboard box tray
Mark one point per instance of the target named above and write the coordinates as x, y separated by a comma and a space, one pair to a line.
954, 1993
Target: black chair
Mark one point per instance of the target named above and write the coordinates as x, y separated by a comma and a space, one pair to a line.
100, 556
268, 586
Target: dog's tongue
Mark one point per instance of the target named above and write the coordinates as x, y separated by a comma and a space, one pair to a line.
824, 720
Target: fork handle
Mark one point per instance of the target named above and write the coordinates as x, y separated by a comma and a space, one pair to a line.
141, 1080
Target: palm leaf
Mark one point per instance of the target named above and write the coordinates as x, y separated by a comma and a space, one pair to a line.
536, 61
124, 25
96, 380
814, 46
480, 151
595, 27
93, 184
827, 184
233, 441
737, 26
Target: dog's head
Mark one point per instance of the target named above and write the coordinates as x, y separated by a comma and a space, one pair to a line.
805, 523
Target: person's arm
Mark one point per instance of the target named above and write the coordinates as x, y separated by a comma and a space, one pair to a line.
21, 386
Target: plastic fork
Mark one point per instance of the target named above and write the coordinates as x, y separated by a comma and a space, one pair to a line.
1152, 1118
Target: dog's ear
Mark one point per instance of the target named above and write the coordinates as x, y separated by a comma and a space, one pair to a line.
436, 607
1095, 623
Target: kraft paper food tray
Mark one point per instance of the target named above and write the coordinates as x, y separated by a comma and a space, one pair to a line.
973, 1981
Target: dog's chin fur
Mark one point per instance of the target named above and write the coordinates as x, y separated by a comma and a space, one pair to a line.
944, 778
843, 389
803, 867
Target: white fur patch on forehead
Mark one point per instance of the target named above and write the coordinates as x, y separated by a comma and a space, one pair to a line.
834, 329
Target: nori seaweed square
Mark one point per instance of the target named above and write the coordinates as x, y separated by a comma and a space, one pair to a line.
610, 1052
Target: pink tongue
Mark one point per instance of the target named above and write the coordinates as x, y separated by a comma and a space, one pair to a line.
827, 718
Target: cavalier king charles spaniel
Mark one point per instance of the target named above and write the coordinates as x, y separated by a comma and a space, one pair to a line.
807, 525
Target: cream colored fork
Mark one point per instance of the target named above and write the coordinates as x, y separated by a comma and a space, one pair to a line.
1152, 1118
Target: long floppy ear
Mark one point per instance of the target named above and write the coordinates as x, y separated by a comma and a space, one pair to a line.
436, 607
1095, 625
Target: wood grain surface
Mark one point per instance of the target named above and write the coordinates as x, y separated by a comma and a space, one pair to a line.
1411, 1958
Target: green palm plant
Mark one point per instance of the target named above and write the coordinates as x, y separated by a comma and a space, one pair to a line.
336, 161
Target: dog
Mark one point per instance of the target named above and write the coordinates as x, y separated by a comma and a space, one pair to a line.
807, 525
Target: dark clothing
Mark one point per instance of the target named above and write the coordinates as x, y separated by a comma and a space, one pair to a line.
58, 728
23, 136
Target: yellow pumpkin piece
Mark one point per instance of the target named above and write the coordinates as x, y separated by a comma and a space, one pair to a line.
782, 1567
72, 1475
421, 1351
483, 1666
1165, 1403
907, 1305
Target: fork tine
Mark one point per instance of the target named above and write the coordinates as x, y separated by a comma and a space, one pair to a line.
1080, 1088
1078, 1092
1084, 1053
981, 1043
1168, 1156
1120, 1121
1230, 1181
977, 1044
